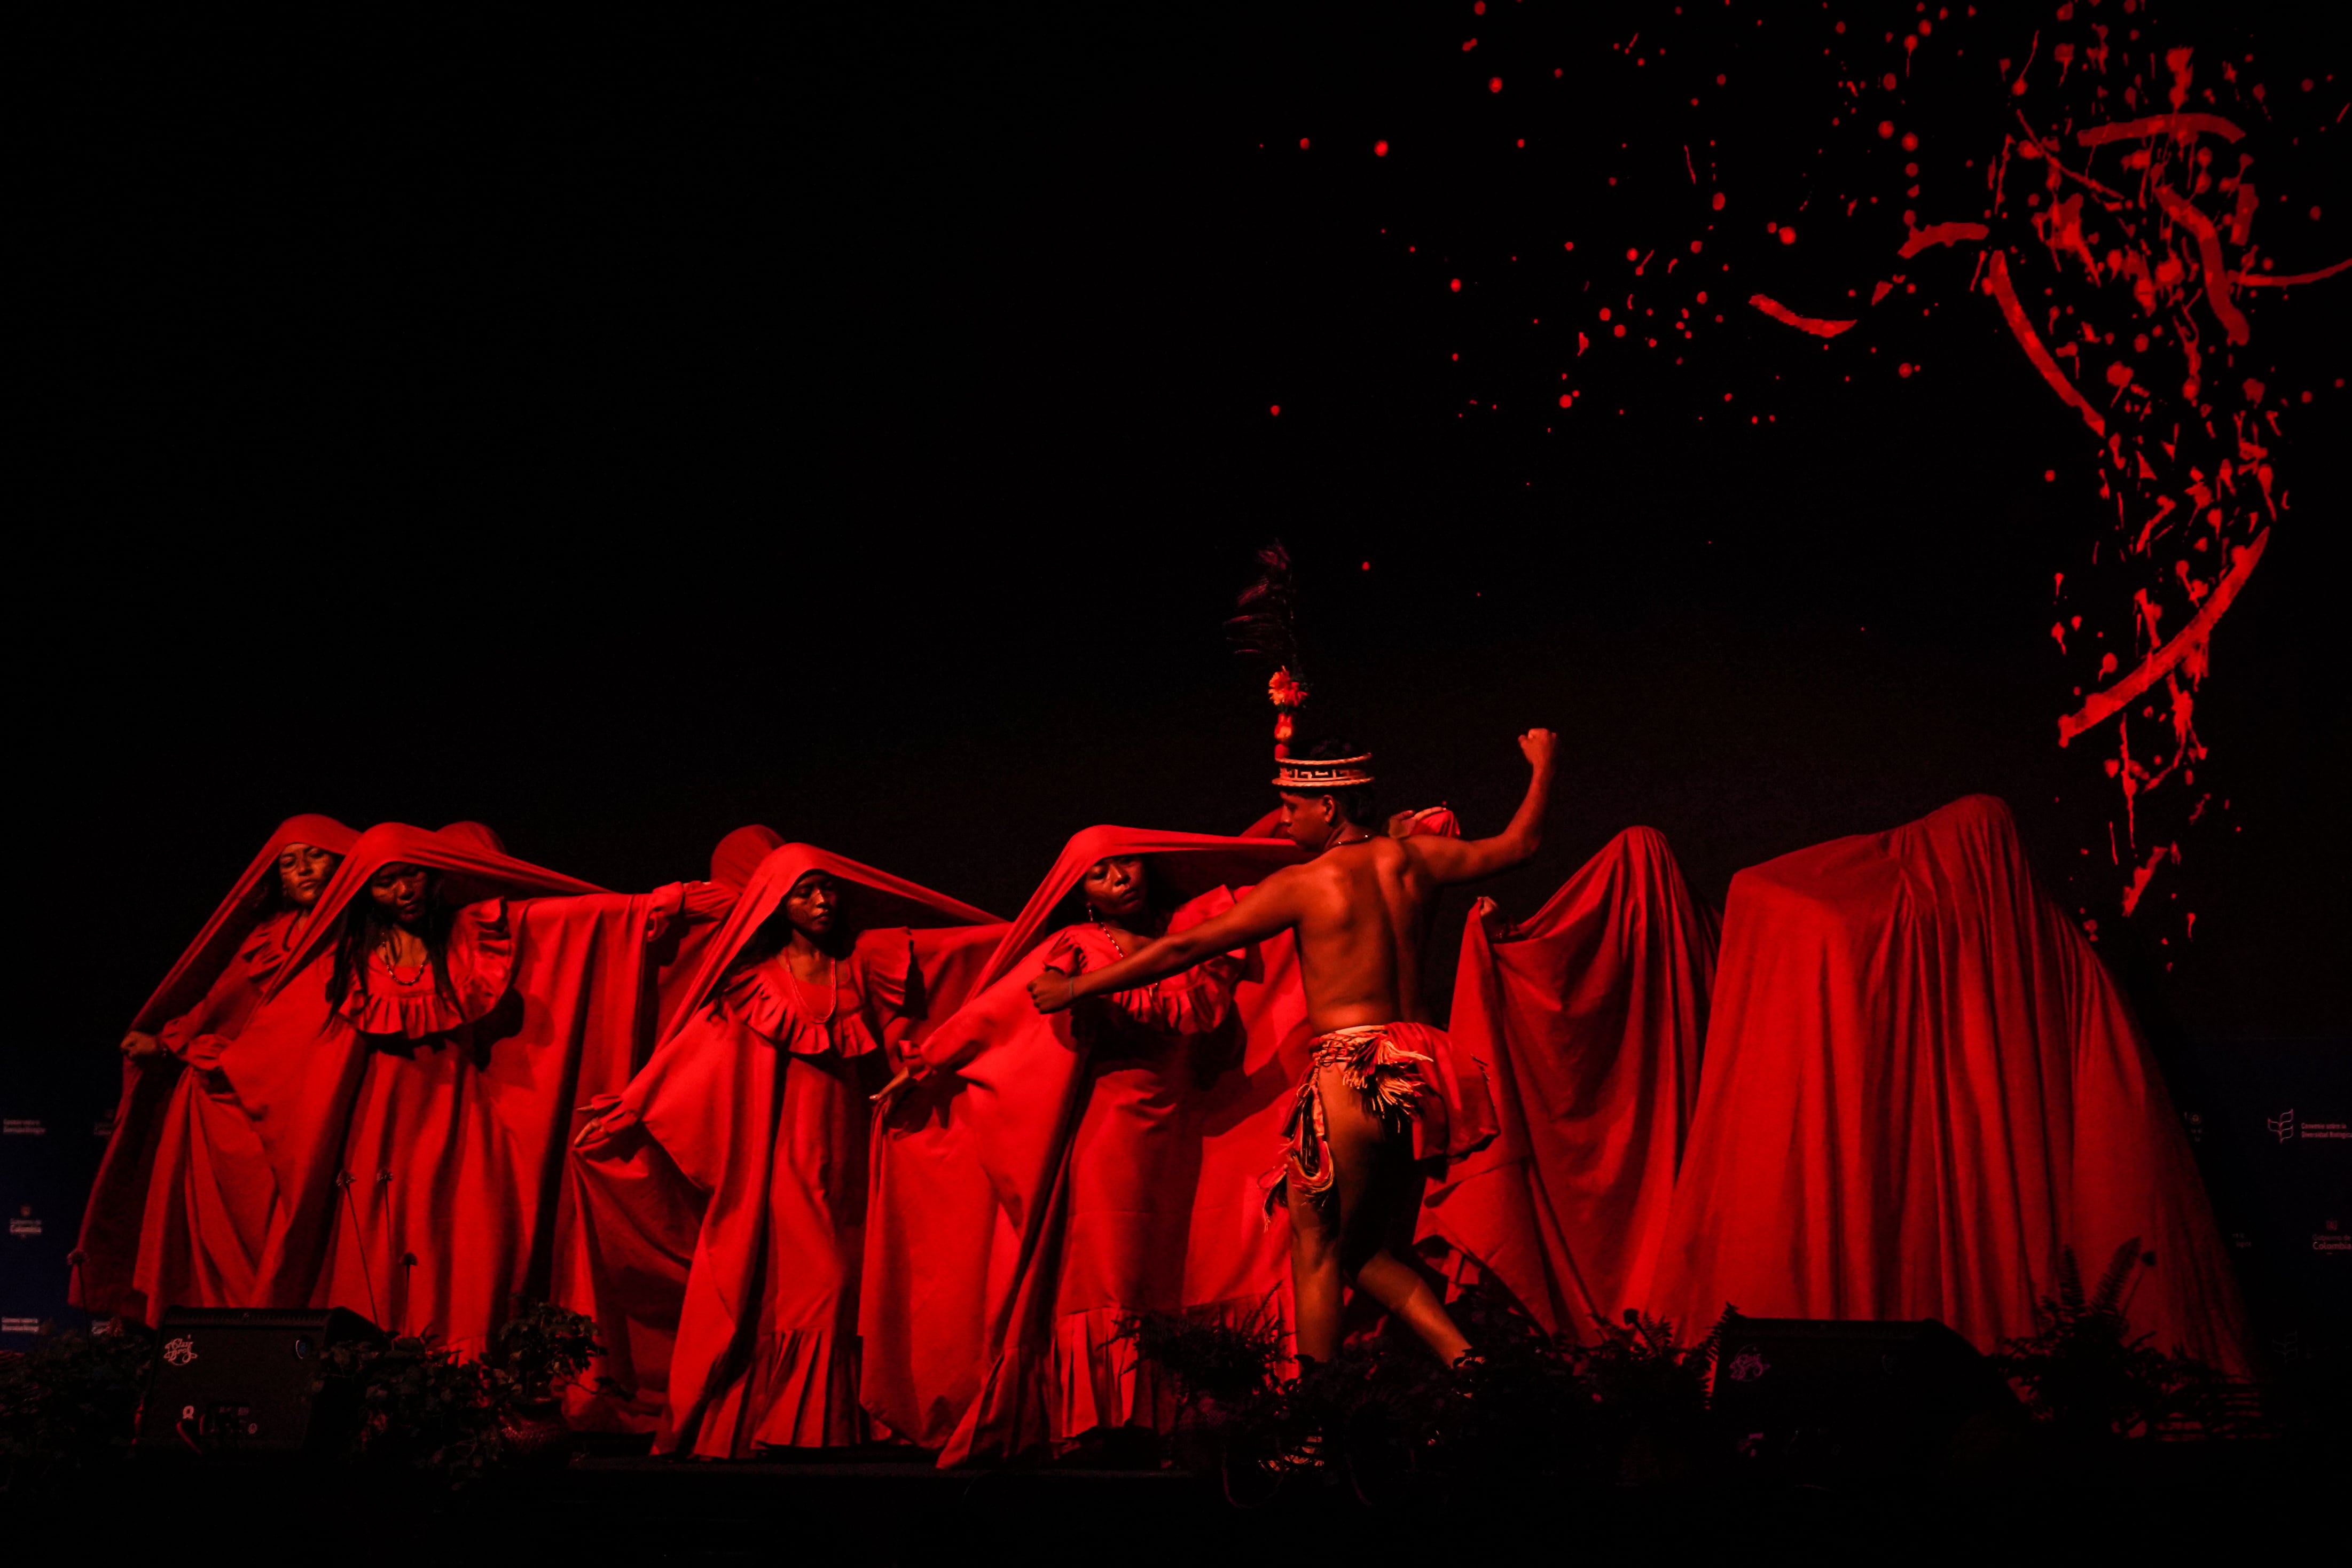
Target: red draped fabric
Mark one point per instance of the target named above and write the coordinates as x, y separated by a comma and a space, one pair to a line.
1122, 1144
1920, 1083
729, 1180
634, 1241
1589, 1017
416, 1131
930, 1222
182, 1200
735, 859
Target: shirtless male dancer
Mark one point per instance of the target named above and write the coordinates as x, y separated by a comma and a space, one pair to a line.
1361, 909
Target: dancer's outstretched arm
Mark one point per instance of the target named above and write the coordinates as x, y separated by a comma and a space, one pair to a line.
1452, 860
1272, 906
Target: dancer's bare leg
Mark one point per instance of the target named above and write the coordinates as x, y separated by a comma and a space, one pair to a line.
1344, 1237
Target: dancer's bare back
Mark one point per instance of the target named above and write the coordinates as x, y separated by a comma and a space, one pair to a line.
1361, 910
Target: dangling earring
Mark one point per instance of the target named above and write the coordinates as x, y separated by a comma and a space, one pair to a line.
1093, 914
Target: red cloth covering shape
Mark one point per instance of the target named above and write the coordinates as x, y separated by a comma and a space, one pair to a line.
741, 1152
180, 1204
448, 1112
738, 856
1122, 1143
1920, 1083
1589, 1017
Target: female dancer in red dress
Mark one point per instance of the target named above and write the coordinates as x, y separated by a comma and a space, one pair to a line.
1120, 1143
182, 1203
761, 1100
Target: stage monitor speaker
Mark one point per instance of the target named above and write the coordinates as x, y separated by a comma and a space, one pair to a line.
232, 1381
1810, 1395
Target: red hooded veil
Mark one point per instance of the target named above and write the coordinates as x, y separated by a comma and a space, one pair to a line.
694, 1208
733, 860
1047, 1369
181, 1201
1589, 1017
427, 1125
1920, 1085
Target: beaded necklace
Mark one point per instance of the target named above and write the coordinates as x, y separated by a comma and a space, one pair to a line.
833, 986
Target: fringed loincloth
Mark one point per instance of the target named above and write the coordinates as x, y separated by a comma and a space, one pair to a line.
1392, 1082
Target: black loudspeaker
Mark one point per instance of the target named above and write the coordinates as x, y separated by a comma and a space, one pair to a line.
231, 1381
1804, 1396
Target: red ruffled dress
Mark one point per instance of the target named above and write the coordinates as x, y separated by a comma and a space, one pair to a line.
1133, 1172
210, 1188
767, 1347
1121, 1163
429, 1230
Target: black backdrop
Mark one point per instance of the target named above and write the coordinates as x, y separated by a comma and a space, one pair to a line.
617, 430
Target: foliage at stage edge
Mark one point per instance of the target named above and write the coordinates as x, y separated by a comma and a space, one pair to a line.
425, 1408
1630, 1406
2090, 1380
71, 1402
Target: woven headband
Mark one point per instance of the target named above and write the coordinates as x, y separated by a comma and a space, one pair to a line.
1302, 776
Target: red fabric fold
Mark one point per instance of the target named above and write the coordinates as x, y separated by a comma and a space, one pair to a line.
683, 945
1920, 1083
1589, 1017
209, 1195
179, 1154
930, 1222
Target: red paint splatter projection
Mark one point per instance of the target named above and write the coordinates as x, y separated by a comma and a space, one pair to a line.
2185, 451
1814, 325
2119, 234
2186, 463
2137, 233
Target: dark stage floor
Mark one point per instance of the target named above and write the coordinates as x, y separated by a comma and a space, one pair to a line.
2163, 1501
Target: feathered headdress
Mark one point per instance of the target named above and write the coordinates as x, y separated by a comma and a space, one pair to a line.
1266, 622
